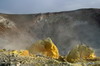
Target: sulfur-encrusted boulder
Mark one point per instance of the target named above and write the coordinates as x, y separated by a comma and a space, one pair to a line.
80, 53
45, 47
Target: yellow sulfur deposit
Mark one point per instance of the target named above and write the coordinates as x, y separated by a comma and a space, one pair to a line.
45, 47
20, 52
2, 50
24, 53
80, 53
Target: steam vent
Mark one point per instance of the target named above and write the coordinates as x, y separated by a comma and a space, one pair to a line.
74, 38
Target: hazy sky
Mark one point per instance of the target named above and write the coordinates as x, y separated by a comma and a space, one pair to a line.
40, 6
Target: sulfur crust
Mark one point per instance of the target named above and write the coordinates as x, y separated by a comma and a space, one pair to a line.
45, 47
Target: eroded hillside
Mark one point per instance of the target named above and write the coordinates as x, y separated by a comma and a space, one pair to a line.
66, 29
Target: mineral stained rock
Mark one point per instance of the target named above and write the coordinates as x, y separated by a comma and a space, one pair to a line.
16, 52
21, 52
80, 53
45, 47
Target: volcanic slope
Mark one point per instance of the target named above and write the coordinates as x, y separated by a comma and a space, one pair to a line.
66, 29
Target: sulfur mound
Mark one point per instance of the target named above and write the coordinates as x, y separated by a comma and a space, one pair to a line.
45, 47
80, 53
